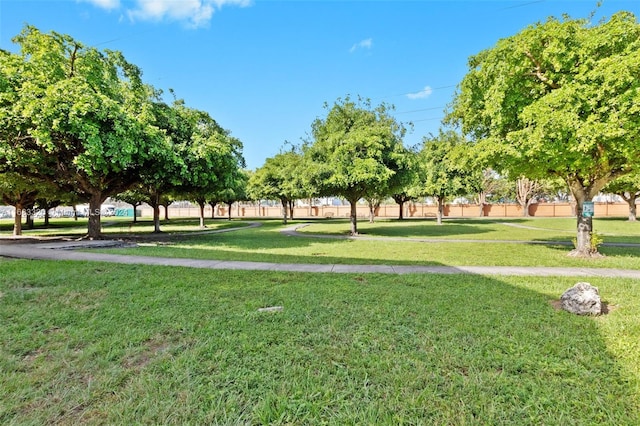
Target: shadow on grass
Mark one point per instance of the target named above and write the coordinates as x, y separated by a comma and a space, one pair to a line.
447, 229
607, 250
346, 349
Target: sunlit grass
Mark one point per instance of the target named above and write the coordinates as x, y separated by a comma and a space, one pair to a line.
268, 244
112, 344
526, 229
119, 226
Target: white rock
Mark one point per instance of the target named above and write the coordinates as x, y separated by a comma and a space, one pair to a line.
582, 299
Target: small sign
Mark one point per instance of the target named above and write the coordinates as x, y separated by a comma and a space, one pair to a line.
587, 209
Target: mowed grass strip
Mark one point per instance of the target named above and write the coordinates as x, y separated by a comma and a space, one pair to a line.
100, 343
119, 226
614, 230
268, 244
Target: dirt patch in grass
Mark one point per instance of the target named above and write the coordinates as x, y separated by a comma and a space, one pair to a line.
152, 348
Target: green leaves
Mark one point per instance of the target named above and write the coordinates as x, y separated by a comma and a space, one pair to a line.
445, 169
559, 98
84, 120
357, 149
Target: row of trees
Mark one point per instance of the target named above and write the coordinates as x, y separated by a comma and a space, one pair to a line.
79, 125
559, 100
364, 163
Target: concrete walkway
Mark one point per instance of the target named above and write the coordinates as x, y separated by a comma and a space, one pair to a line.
65, 250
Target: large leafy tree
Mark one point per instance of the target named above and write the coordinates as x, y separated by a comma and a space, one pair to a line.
213, 160
487, 186
169, 169
559, 99
280, 178
20, 193
444, 169
355, 152
526, 192
404, 184
628, 188
75, 116
234, 190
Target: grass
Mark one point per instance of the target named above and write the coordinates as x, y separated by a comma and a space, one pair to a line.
94, 343
117, 226
614, 230
98, 343
268, 244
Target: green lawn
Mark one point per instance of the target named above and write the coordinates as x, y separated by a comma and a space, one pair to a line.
613, 230
396, 244
116, 226
94, 343
98, 343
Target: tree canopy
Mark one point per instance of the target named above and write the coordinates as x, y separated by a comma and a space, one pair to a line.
628, 188
560, 98
445, 169
83, 120
355, 151
75, 116
282, 177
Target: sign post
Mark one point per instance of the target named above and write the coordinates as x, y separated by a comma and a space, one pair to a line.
587, 209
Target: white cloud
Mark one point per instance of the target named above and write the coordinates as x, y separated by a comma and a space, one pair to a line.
424, 93
104, 4
196, 13
364, 44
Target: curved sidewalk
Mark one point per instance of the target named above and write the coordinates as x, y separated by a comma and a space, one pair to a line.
65, 251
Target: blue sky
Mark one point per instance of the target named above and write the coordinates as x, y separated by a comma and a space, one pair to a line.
264, 69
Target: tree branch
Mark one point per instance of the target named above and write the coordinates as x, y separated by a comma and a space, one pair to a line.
73, 60
538, 71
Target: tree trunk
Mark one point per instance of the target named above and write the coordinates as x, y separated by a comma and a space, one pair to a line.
75, 213
630, 198
95, 227
201, 205
583, 247
213, 209
583, 239
46, 218
29, 217
156, 219
584, 193
155, 203
17, 220
632, 210
482, 200
401, 215
135, 216
166, 211
372, 213
284, 210
230, 205
353, 216
526, 189
291, 207
440, 212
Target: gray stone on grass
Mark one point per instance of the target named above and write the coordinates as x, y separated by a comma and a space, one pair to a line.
271, 309
582, 299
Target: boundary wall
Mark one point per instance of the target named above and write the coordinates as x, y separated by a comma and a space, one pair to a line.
411, 210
